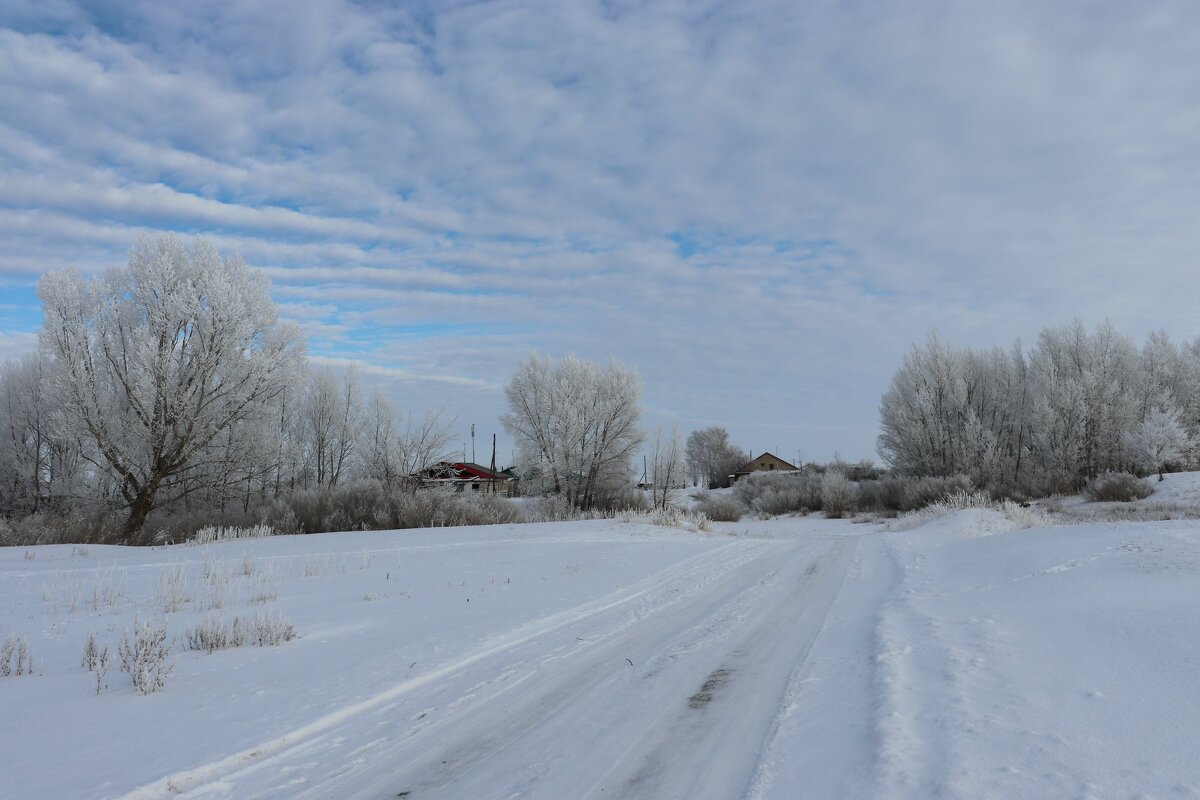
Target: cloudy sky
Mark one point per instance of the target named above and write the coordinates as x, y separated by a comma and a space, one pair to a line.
760, 205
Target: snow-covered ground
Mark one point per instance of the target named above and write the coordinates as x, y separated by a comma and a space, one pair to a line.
797, 657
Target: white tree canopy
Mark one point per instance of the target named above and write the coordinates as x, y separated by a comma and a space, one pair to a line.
154, 362
1159, 440
576, 423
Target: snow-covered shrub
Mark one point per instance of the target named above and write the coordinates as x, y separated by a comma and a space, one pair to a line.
1011, 515
839, 495
959, 501
366, 505
674, 517
874, 496
145, 657
91, 652
557, 508
211, 634
54, 528
1054, 504
15, 658
1024, 515
721, 508
774, 502
230, 533
1117, 487
218, 580
552, 508
621, 498
172, 589
283, 519
264, 584
480, 508
772, 493
95, 660
103, 662
107, 587
264, 630
351, 506
271, 629
1131, 512
921, 492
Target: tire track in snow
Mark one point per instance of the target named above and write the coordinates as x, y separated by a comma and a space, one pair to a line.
690, 720
217, 774
713, 749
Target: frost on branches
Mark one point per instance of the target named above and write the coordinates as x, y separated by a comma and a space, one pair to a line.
1078, 405
1158, 441
157, 363
576, 424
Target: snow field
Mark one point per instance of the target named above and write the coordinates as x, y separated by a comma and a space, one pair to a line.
372, 610
960, 655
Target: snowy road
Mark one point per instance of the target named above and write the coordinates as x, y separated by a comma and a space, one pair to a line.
960, 657
669, 687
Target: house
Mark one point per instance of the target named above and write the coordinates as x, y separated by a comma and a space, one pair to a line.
462, 476
765, 463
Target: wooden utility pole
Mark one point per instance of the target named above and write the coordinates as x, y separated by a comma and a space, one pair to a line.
493, 462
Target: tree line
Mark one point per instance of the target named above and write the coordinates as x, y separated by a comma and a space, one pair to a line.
1078, 404
173, 384
172, 387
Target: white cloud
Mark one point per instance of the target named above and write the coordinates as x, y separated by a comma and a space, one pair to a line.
497, 177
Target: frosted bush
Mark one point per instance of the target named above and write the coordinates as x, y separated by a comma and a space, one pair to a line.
211, 635
773, 493
218, 577
103, 661
672, 517
264, 585
1011, 515
90, 653
721, 508
264, 630
172, 589
144, 657
272, 629
839, 495
1025, 516
15, 658
226, 534
95, 660
962, 500
1117, 487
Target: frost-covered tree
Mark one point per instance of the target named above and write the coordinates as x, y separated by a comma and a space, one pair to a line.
1158, 440
666, 466
924, 412
1086, 401
712, 458
380, 444
331, 414
575, 423
1042, 422
423, 441
155, 363
24, 435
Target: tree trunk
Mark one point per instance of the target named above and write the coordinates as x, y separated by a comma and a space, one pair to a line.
138, 511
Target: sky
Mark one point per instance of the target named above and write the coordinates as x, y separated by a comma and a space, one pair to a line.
759, 205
